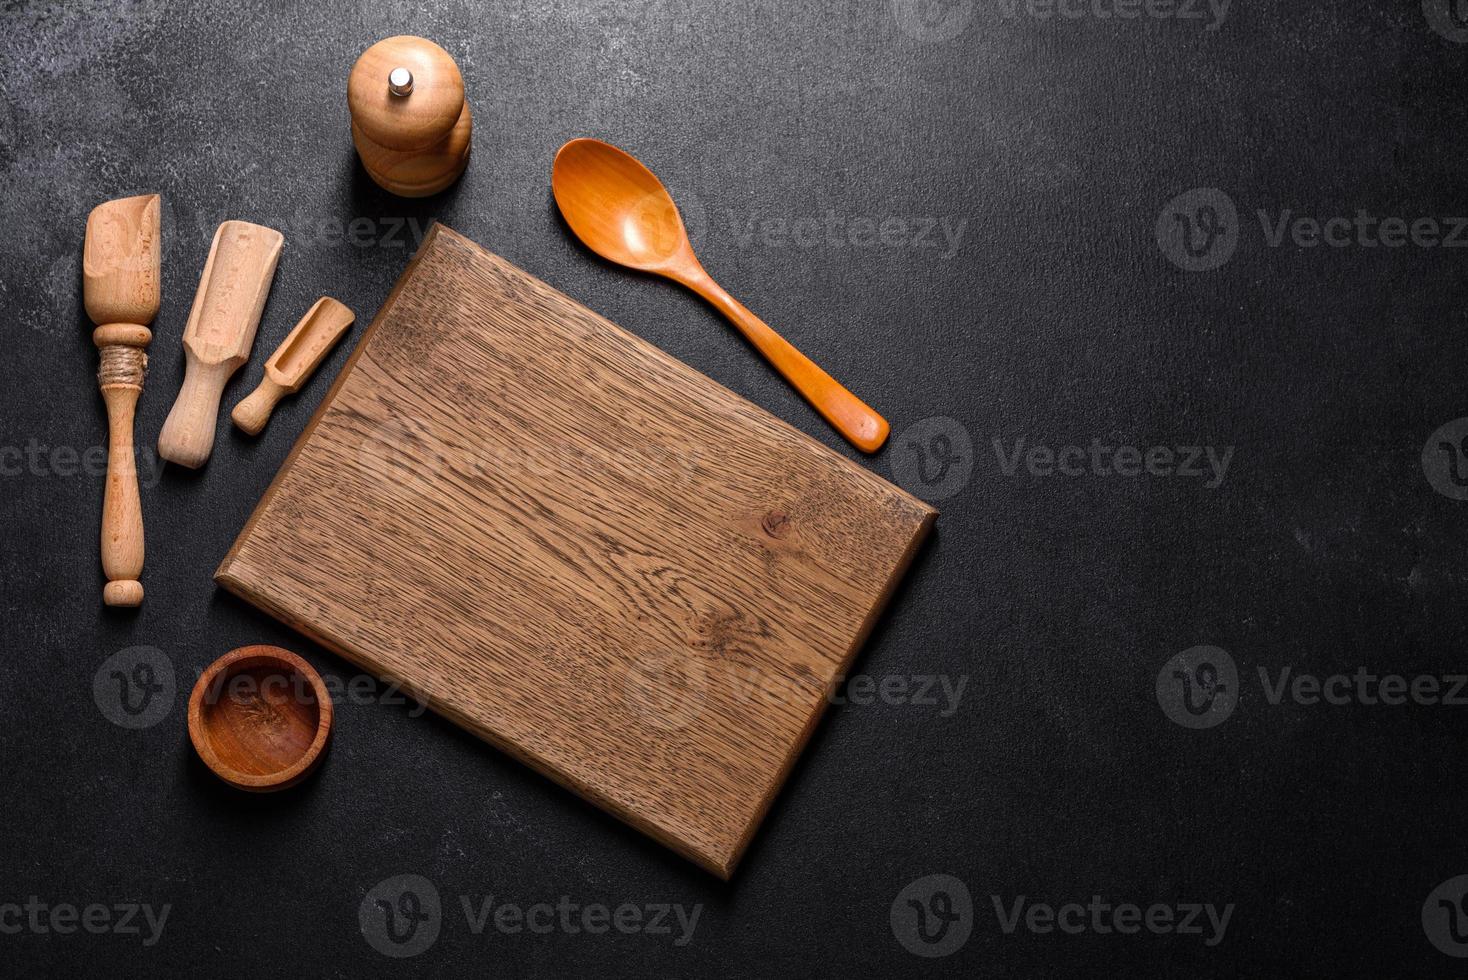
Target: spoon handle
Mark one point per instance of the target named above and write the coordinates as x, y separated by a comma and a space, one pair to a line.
848, 414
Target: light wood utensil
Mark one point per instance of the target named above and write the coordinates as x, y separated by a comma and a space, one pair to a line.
121, 291
219, 334
293, 362
623, 213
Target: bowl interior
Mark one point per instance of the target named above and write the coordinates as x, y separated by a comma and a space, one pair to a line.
259, 716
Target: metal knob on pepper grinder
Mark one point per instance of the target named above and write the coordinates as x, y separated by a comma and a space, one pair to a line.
410, 121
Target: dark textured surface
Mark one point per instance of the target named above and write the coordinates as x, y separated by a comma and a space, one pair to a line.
1056, 318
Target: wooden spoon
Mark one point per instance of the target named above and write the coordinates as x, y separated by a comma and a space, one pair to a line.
624, 214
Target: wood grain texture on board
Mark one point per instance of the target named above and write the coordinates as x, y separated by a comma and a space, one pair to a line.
578, 548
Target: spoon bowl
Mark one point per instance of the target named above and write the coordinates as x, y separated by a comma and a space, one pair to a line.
617, 206
623, 213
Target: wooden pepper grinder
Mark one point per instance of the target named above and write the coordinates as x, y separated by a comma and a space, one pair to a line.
410, 122
120, 289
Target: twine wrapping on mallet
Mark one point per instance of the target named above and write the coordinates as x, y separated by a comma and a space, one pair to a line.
122, 365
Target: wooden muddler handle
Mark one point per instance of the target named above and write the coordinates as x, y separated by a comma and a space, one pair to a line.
121, 292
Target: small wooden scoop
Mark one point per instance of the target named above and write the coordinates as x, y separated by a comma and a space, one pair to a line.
219, 334
302, 351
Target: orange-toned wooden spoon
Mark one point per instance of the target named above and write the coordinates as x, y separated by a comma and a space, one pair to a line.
624, 214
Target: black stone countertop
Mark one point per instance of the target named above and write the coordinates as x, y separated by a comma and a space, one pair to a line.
1164, 300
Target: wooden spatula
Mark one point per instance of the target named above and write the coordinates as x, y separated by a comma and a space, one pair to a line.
219, 334
294, 361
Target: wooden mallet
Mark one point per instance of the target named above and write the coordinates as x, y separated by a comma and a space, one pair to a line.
120, 289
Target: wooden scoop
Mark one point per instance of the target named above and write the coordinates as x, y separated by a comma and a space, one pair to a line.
219, 334
120, 289
302, 351
623, 213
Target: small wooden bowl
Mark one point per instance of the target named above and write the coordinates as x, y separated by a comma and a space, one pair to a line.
260, 717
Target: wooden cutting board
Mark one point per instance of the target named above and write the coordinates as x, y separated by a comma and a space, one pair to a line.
578, 548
